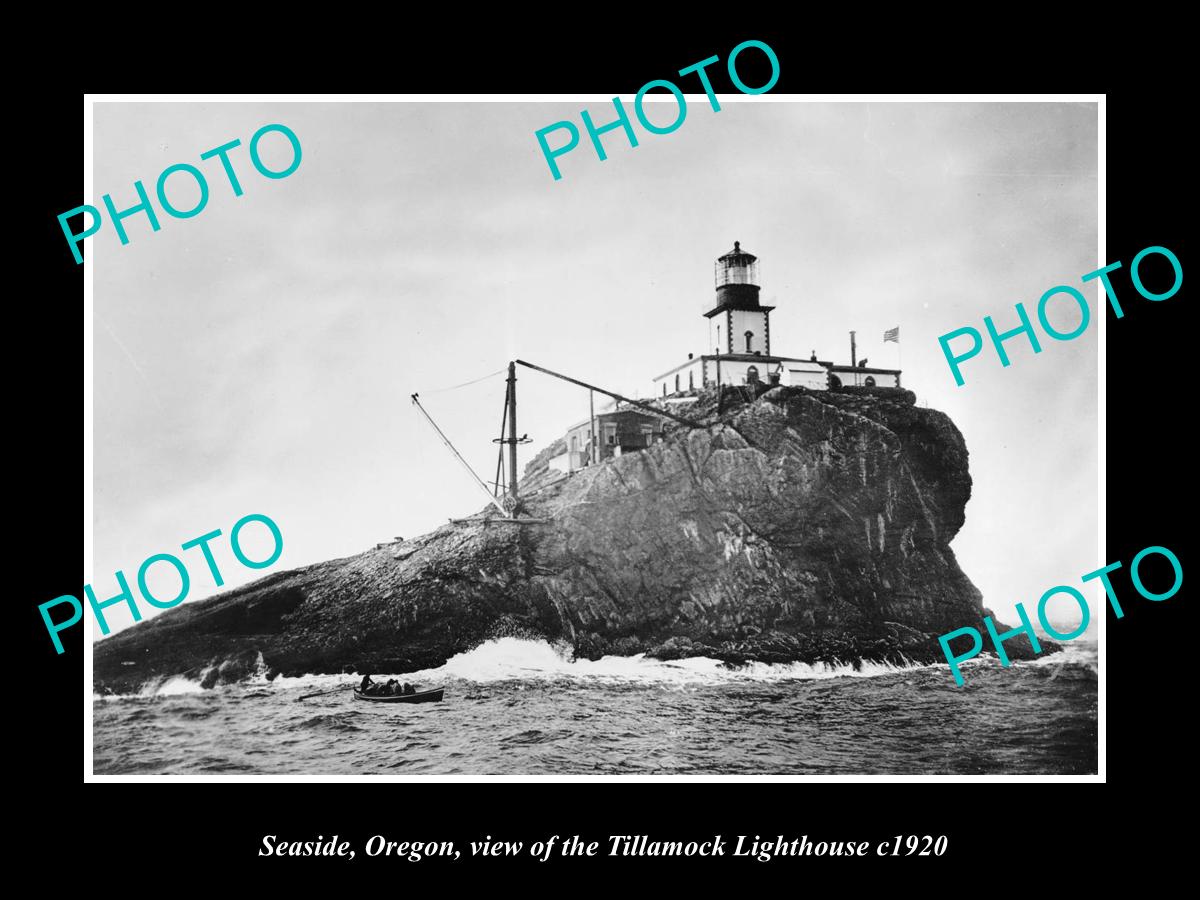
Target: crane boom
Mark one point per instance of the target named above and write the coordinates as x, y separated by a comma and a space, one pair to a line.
445, 440
646, 406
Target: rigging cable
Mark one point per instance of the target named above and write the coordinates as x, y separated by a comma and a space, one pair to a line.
455, 387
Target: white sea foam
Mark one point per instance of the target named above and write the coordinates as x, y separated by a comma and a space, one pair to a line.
172, 686
521, 659
510, 659
1081, 653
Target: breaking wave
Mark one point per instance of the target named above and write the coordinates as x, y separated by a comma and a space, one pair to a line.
171, 686
524, 659
515, 659
1077, 653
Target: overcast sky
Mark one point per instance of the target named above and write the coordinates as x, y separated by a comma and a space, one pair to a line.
259, 357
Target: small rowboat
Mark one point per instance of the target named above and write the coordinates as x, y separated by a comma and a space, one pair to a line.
432, 696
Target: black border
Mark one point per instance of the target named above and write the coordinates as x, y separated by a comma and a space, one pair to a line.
989, 826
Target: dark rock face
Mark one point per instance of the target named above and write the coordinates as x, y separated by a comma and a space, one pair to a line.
800, 525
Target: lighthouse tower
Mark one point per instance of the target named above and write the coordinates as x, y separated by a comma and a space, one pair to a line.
744, 322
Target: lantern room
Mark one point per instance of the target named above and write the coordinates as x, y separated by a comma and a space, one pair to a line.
736, 279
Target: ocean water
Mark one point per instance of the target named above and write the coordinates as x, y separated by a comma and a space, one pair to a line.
518, 707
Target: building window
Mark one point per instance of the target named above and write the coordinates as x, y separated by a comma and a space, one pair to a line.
752, 375
691, 381
749, 338
610, 434
664, 389
870, 381
677, 382
574, 442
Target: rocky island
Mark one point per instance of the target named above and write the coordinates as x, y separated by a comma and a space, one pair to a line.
788, 525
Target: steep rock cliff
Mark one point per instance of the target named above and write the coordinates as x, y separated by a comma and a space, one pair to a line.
795, 525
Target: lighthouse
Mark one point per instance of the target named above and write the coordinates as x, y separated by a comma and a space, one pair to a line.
744, 322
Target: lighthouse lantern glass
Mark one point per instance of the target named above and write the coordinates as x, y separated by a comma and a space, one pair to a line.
736, 269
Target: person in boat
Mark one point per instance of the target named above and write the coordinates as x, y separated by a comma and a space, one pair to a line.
409, 689
393, 687
364, 687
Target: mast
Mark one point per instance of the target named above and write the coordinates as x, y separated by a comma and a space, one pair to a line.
512, 433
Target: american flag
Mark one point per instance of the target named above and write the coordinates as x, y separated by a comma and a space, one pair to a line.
892, 334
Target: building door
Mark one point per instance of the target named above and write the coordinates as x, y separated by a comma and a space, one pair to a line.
752, 375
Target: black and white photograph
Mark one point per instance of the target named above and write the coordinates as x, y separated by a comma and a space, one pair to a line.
418, 460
